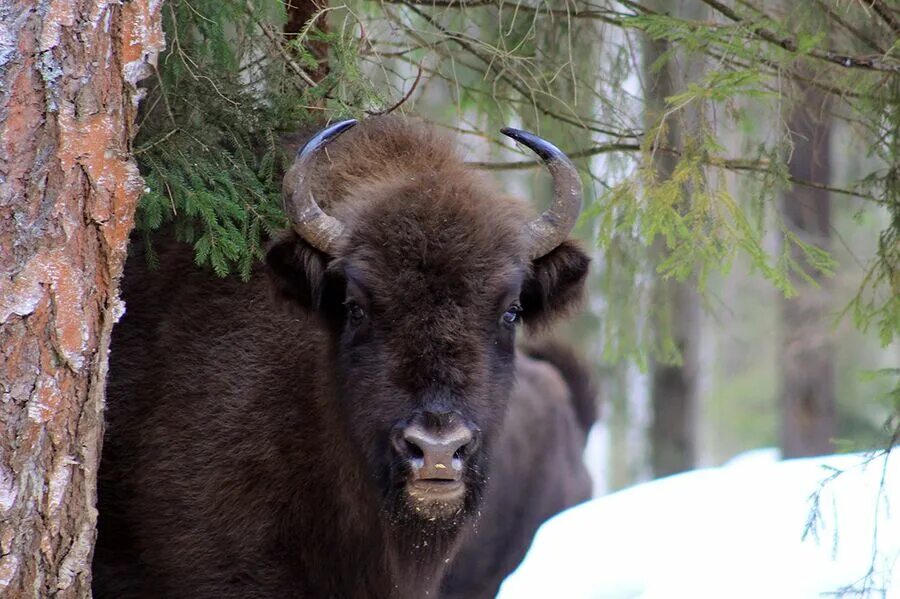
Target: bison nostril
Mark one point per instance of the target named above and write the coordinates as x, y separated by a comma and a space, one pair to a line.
414, 451
437, 454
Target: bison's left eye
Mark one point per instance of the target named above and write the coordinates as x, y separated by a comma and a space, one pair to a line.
355, 313
512, 314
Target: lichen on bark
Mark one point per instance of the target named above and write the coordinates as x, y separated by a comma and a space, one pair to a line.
68, 191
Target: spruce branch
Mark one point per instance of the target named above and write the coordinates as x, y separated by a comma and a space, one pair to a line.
488, 61
732, 164
401, 101
856, 31
875, 63
605, 15
276, 45
886, 14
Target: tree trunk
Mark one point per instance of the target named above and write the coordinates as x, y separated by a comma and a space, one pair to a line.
299, 12
68, 191
673, 386
806, 351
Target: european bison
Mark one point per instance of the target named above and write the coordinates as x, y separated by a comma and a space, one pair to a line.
329, 439
537, 468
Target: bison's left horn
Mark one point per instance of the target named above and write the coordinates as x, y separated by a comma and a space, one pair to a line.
553, 226
319, 230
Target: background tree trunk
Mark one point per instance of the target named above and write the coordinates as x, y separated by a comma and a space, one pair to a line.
806, 351
68, 191
673, 387
299, 12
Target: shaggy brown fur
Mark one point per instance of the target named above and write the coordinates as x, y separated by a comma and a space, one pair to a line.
537, 470
247, 450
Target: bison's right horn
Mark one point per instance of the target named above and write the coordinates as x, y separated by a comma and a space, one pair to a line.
553, 226
317, 228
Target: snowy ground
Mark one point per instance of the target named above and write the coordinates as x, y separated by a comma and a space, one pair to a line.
745, 530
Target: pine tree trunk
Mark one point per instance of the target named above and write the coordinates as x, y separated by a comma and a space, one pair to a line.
673, 387
806, 351
68, 191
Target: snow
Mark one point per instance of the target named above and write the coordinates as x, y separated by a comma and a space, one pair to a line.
595, 457
735, 531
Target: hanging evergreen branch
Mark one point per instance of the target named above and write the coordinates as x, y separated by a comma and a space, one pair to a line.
874, 63
212, 121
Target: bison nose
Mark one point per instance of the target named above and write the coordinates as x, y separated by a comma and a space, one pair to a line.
435, 455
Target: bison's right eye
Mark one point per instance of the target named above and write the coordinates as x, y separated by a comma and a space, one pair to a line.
355, 313
512, 314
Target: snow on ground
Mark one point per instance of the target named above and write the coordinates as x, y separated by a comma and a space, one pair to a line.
732, 532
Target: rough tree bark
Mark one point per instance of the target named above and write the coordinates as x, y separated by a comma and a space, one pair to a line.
68, 191
673, 387
806, 350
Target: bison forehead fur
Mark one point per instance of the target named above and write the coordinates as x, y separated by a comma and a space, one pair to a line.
252, 449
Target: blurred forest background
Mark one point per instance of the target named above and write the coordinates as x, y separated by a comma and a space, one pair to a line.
741, 163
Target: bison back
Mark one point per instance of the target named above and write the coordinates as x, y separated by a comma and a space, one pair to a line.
202, 408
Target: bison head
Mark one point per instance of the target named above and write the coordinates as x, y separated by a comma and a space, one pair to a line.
420, 272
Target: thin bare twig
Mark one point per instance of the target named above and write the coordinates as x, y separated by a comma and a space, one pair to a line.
488, 62
887, 15
759, 166
609, 16
762, 166
856, 31
874, 63
162, 139
523, 164
275, 41
401, 101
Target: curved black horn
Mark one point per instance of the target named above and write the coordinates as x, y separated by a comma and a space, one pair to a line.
317, 228
553, 226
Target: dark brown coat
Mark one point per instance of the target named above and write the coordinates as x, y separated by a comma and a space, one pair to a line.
248, 450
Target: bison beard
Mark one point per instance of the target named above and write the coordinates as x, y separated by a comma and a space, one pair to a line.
330, 439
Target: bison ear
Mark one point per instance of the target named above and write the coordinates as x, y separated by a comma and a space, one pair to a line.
299, 273
555, 286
